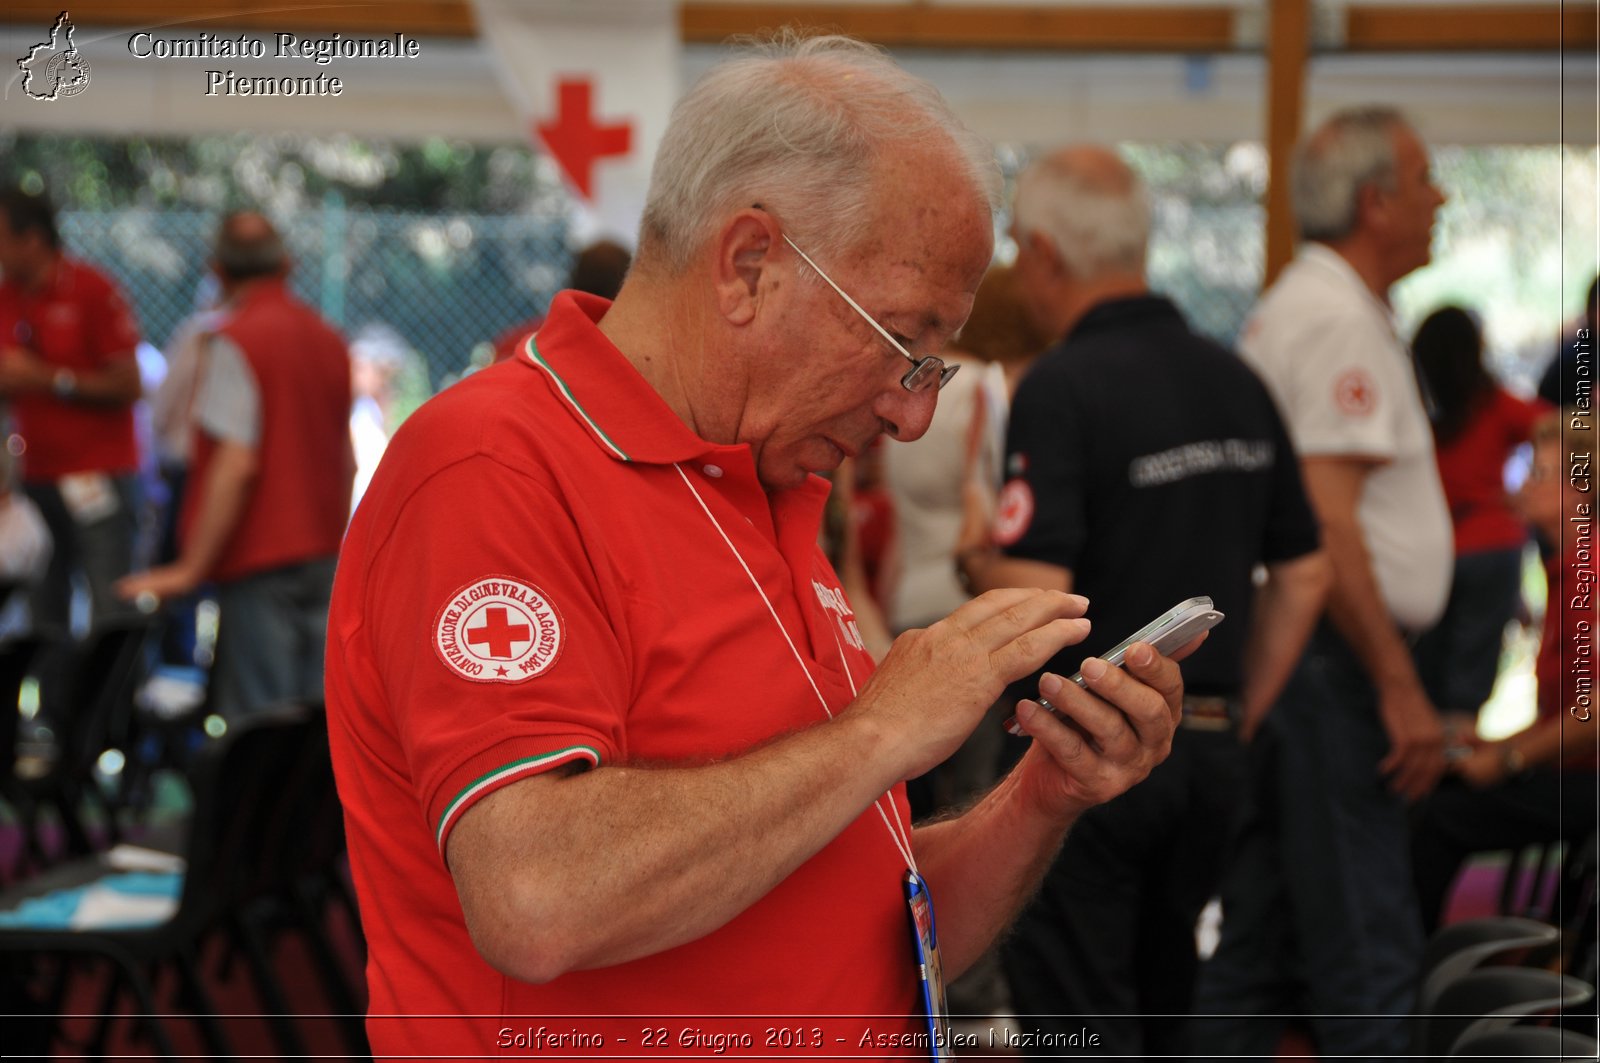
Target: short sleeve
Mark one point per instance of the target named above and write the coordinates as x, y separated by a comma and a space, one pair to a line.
496, 639
228, 405
1343, 395
1042, 507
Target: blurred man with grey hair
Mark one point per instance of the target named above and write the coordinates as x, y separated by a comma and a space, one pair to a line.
1148, 466
607, 735
1318, 912
268, 491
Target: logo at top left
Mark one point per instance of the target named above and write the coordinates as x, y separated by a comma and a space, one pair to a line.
55, 69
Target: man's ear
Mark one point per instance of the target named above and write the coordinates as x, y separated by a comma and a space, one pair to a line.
744, 252
1372, 206
1044, 250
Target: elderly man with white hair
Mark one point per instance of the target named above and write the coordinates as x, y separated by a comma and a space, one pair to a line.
608, 739
1148, 466
1319, 917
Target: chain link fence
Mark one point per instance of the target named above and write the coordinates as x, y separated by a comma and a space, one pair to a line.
444, 283
448, 282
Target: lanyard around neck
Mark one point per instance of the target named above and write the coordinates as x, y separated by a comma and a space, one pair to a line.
897, 831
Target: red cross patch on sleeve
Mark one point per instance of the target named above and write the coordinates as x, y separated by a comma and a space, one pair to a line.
1355, 393
498, 630
1013, 512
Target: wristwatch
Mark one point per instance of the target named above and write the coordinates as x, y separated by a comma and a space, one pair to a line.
64, 383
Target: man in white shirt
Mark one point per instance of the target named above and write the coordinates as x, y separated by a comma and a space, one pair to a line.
1319, 917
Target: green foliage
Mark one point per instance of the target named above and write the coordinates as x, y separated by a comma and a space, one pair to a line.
1515, 243
279, 173
448, 243
1514, 240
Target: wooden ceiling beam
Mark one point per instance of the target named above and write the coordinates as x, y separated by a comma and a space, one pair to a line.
1288, 37
1106, 27
1100, 28
1005, 27
416, 18
1470, 27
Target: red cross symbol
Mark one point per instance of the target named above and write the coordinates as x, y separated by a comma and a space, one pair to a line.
574, 138
1013, 512
1355, 393
497, 633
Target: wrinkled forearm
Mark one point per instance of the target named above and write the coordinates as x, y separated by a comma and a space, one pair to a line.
983, 866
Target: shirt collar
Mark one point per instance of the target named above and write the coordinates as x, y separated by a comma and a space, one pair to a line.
1113, 313
619, 409
259, 289
1331, 263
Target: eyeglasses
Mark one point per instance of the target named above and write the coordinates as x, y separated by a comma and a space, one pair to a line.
925, 373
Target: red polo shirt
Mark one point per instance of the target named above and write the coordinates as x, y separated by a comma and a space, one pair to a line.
1472, 468
530, 582
77, 321
509, 343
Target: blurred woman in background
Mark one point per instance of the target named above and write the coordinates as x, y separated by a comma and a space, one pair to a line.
1477, 426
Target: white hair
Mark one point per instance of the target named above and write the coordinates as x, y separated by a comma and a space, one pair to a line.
1097, 226
1352, 149
795, 127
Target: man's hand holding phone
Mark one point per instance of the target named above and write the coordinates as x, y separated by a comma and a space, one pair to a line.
1105, 729
1168, 634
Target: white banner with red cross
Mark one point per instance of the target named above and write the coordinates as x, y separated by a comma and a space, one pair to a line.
595, 82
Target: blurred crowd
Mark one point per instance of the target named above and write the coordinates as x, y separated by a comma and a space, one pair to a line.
1378, 553
1365, 507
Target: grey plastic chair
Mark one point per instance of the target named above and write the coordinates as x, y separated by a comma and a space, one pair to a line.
1461, 947
1481, 1002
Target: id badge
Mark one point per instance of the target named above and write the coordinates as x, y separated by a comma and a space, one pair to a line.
89, 496
930, 970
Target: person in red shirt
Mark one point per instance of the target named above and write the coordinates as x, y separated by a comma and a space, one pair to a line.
598, 270
1477, 425
268, 490
607, 737
1537, 785
68, 370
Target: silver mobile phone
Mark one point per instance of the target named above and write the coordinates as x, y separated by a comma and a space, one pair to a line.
1170, 631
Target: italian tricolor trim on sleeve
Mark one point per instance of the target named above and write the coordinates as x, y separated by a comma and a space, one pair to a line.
525, 766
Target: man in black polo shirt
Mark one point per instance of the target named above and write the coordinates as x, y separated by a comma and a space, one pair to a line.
1147, 465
